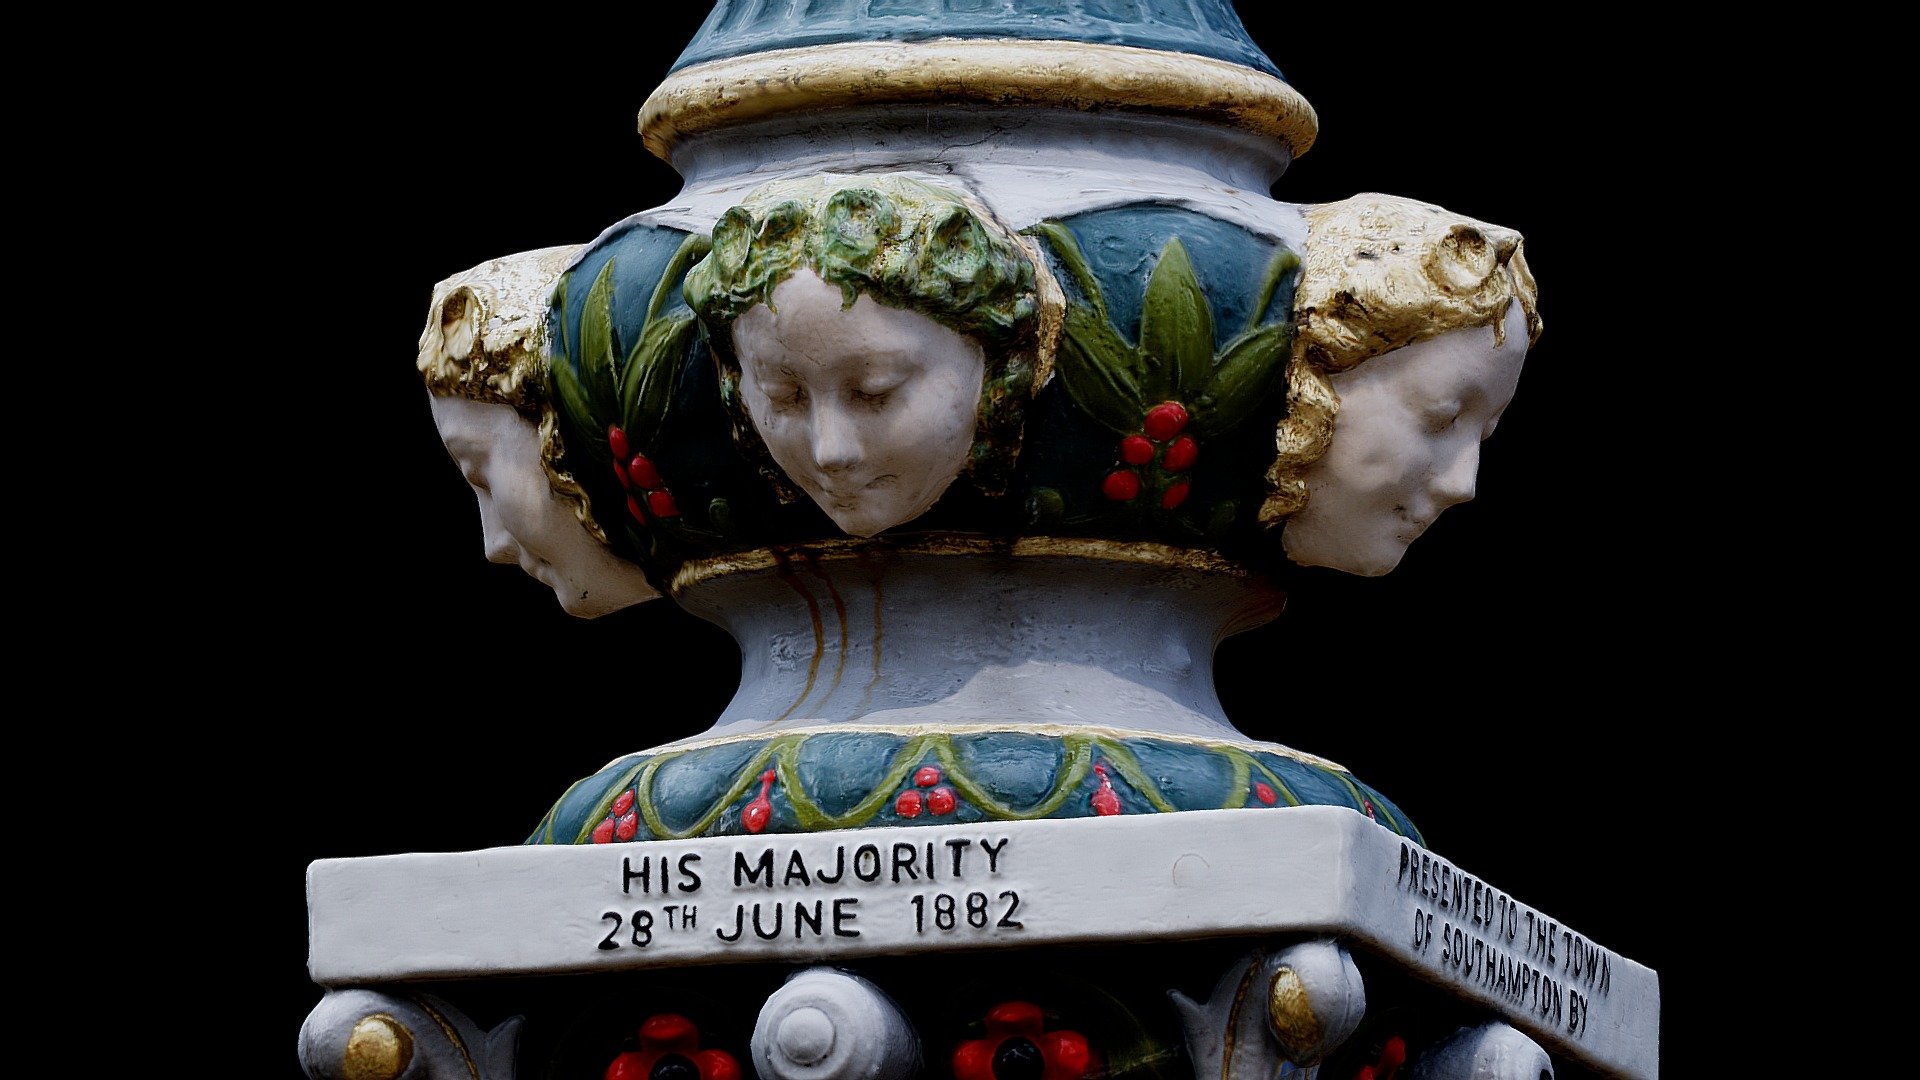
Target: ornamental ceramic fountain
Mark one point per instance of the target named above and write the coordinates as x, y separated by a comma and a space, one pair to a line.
974, 384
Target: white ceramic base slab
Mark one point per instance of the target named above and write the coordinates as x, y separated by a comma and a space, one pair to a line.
1253, 873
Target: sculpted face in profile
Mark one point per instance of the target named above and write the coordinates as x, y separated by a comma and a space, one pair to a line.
1406, 445
522, 522
871, 409
1414, 323
878, 337
484, 362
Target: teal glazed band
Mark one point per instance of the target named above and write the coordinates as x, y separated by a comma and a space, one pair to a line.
820, 780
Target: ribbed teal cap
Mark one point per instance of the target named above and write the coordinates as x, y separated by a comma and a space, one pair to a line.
1201, 27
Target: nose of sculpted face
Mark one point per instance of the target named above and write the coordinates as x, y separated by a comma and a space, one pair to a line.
836, 438
499, 543
1458, 477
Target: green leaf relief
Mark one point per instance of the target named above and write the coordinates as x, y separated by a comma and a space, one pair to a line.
586, 434
1067, 250
1096, 367
596, 344
691, 250
651, 375
1284, 262
1251, 368
1176, 329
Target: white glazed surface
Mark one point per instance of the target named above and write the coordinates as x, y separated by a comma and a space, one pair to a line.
522, 522
1406, 445
870, 409
1253, 873
904, 639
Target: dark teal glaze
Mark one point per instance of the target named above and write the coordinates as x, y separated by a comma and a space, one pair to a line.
1023, 767
640, 253
1183, 778
694, 449
1201, 27
1308, 784
580, 801
839, 772
1123, 245
685, 787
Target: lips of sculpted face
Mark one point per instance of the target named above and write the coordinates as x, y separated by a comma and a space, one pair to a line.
1406, 445
871, 409
522, 522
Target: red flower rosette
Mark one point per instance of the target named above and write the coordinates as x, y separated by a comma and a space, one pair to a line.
670, 1050
1017, 1046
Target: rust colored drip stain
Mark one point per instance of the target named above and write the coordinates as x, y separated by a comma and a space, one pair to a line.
839, 612
1233, 1017
879, 632
819, 633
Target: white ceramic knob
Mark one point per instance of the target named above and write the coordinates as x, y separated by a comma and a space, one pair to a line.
1488, 1052
1315, 999
826, 1024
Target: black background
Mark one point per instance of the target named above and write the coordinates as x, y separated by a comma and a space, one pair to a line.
1513, 685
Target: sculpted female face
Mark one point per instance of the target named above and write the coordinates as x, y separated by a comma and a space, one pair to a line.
1406, 445
522, 522
871, 409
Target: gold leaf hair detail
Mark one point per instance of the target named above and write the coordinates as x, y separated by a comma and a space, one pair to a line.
486, 339
1381, 273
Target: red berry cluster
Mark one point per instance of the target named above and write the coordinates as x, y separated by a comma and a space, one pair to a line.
670, 1046
638, 478
1018, 1044
939, 802
623, 821
1160, 439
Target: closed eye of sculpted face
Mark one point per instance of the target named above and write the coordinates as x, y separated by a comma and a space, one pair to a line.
870, 409
1406, 445
522, 522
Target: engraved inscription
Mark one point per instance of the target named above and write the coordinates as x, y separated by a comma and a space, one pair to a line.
1476, 934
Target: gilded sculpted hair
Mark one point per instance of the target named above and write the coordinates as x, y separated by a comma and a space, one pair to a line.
486, 339
1380, 273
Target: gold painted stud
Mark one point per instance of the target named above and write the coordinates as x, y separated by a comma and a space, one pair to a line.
379, 1049
1291, 1015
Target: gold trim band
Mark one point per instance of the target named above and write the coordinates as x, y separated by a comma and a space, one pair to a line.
1077, 75
1145, 553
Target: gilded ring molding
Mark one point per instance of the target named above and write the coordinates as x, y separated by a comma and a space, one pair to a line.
1060, 74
